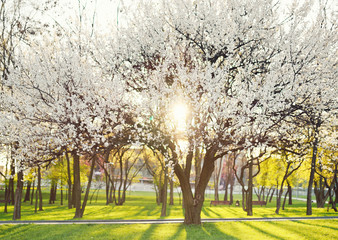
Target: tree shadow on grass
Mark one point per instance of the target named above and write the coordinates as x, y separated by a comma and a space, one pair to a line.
307, 232
168, 210
205, 212
262, 231
316, 225
190, 232
14, 230
206, 231
300, 231
154, 212
235, 212
31, 231
148, 234
177, 233
62, 232
217, 214
141, 212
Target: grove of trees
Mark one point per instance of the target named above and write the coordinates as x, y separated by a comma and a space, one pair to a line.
257, 78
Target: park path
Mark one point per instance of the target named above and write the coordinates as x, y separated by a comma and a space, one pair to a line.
166, 221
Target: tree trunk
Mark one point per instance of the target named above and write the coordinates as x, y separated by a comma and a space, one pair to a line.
226, 185
18, 196
11, 183
198, 164
69, 179
231, 193
273, 191
279, 197
336, 185
84, 203
125, 182
6, 190
39, 189
61, 183
55, 192
61, 201
333, 203
123, 198
28, 191
160, 189
111, 199
7, 196
193, 205
73, 190
335, 188
312, 174
114, 190
11, 191
51, 193
107, 189
319, 190
77, 185
286, 194
217, 177
290, 194
119, 197
171, 201
267, 195
165, 194
36, 200
112, 184
258, 193
262, 193
250, 186
192, 213
263, 197
244, 199
216, 195
157, 192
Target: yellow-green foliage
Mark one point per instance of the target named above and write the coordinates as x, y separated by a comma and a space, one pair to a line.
273, 169
58, 171
327, 161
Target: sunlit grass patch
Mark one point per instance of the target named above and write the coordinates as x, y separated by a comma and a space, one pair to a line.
308, 229
142, 205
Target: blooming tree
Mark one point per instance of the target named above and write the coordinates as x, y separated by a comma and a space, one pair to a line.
241, 68
67, 105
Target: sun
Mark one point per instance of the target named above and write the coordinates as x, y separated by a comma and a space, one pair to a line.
180, 111
179, 115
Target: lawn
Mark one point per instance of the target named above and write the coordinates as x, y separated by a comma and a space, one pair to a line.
229, 230
141, 205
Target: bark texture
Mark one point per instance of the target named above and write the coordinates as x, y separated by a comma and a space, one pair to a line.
77, 186
18, 195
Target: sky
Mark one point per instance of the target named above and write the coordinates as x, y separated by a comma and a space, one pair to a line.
105, 14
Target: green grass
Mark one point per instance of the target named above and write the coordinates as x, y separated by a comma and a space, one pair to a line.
230, 230
141, 205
